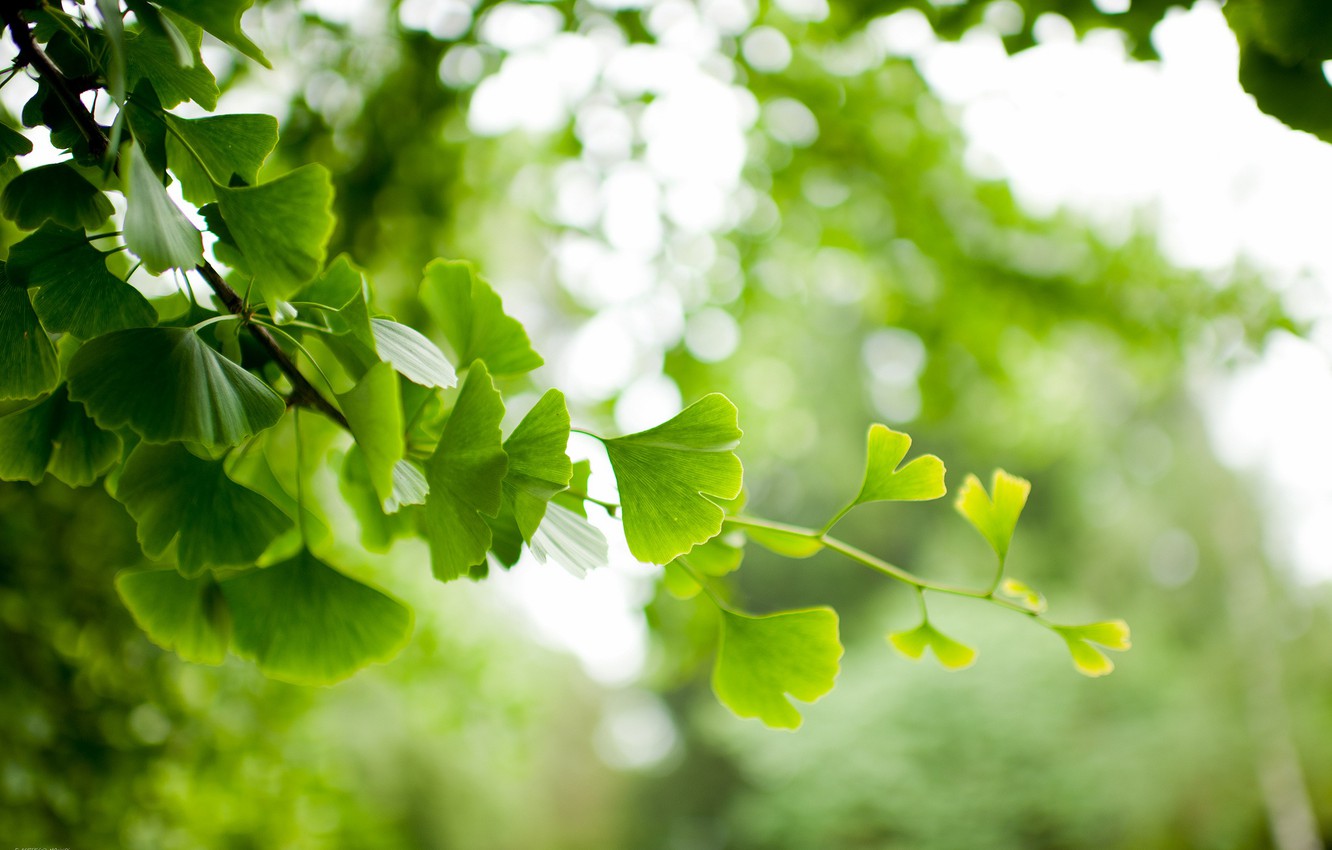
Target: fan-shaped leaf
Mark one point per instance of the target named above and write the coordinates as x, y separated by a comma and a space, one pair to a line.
187, 616
996, 519
952, 654
30, 367
221, 18
570, 541
1085, 643
178, 498
538, 466
282, 227
417, 358
155, 228
664, 472
57, 436
167, 385
762, 659
156, 57
466, 475
210, 150
302, 621
77, 294
54, 193
12, 144
921, 479
473, 319
373, 409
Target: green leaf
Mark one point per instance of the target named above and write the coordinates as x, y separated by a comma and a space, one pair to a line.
56, 193
379, 528
409, 486
221, 18
340, 292
716, 557
77, 295
466, 475
30, 367
373, 410
473, 319
921, 479
178, 498
167, 385
570, 541
55, 435
282, 227
538, 466
161, 25
762, 659
1014, 589
155, 228
155, 57
573, 497
187, 616
268, 467
996, 519
12, 143
787, 543
1085, 643
417, 358
210, 150
664, 473
304, 622
951, 654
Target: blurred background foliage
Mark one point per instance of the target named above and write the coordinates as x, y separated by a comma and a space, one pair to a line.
813, 246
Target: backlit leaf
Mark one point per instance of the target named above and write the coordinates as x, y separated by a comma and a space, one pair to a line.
787, 543
921, 479
178, 498
155, 57
951, 654
570, 541
538, 466
155, 228
12, 143
282, 227
474, 321
56, 193
374, 412
210, 150
77, 293
167, 385
302, 621
760, 660
30, 368
187, 616
57, 436
994, 519
1086, 642
664, 473
466, 475
221, 18
417, 358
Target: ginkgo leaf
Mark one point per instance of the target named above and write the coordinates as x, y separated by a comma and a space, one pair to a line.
160, 24
187, 616
155, 228
538, 466
410, 486
664, 473
951, 654
282, 227
178, 498
466, 475
167, 385
379, 527
155, 57
373, 410
417, 358
12, 143
56, 193
340, 295
30, 366
994, 519
304, 622
919, 480
1020, 591
252, 468
787, 542
570, 541
221, 18
573, 498
77, 293
760, 660
716, 557
1085, 644
211, 150
473, 318
55, 435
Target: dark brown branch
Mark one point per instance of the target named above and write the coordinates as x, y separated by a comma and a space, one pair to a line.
32, 55
303, 392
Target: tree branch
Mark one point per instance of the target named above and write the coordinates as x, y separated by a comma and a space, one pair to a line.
303, 392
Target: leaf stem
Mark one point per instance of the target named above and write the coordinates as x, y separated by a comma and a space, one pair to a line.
702, 584
586, 433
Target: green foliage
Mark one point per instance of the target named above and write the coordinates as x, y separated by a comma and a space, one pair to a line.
760, 660
952, 654
665, 475
250, 505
